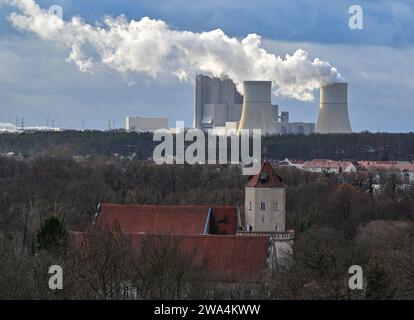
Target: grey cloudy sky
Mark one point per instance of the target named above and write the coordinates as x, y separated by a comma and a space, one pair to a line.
37, 82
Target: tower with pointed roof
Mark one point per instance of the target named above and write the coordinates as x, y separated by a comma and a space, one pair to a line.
265, 200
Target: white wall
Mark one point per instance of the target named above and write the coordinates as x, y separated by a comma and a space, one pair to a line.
294, 127
140, 124
265, 220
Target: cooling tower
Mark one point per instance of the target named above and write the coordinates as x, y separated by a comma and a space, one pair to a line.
333, 111
257, 107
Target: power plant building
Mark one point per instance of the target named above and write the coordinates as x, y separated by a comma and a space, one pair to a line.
285, 127
218, 104
145, 124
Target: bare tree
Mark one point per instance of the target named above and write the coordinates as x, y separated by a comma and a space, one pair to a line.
164, 269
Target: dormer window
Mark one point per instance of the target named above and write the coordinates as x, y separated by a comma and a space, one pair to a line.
263, 176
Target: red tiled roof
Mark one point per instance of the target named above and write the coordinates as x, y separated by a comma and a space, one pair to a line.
227, 257
165, 219
388, 165
408, 166
223, 220
323, 163
297, 161
154, 218
266, 178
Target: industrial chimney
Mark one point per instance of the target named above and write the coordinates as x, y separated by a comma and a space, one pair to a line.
257, 107
333, 111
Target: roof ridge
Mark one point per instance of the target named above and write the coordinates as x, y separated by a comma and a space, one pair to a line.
167, 205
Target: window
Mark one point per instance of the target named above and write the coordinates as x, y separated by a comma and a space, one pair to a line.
249, 227
276, 206
263, 176
250, 206
126, 292
276, 227
262, 219
233, 294
262, 206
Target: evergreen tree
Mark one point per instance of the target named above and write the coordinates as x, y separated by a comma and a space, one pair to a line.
52, 234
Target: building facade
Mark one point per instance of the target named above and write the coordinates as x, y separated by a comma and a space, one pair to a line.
294, 127
218, 103
330, 166
214, 236
265, 212
145, 124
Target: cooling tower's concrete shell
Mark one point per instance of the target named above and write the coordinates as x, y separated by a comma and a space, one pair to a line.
257, 107
333, 111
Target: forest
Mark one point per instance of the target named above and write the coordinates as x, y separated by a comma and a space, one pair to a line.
339, 219
357, 146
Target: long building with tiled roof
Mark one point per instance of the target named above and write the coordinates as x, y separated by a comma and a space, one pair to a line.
171, 219
222, 244
223, 257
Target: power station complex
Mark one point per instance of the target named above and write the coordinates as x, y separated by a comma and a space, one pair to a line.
218, 104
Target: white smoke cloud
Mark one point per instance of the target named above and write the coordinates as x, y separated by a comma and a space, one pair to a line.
151, 47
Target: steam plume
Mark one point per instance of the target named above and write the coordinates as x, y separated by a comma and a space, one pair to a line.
151, 47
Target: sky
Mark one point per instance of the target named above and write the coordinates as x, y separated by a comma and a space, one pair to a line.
37, 80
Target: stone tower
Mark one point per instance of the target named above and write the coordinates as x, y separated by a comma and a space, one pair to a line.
265, 200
